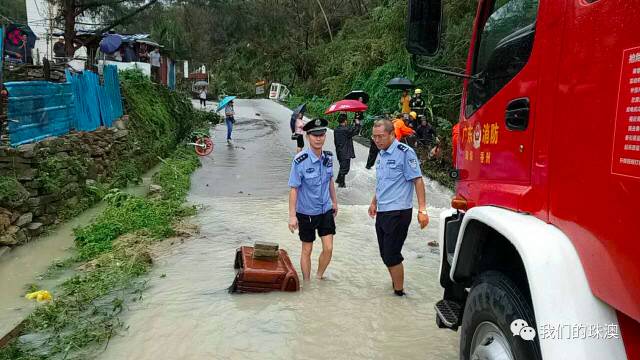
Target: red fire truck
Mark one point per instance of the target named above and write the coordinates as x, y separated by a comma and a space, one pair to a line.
541, 249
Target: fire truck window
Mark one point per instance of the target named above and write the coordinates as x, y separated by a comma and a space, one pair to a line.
503, 48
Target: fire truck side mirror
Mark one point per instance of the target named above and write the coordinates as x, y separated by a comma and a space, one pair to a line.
424, 26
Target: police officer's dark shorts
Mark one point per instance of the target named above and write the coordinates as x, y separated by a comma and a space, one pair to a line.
392, 228
308, 224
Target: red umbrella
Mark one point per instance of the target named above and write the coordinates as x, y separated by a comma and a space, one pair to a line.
347, 106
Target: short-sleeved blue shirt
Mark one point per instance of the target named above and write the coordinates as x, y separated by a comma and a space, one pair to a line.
396, 168
312, 177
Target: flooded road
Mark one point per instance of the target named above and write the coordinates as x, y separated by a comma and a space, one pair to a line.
187, 312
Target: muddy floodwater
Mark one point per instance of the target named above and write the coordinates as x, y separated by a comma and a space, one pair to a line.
24, 264
187, 312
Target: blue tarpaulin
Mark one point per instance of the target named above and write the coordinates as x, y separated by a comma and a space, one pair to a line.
85, 93
171, 81
39, 109
112, 95
98, 105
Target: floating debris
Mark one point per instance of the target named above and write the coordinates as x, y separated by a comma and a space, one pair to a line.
39, 296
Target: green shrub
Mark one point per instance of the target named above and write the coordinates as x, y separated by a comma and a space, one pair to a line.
174, 175
12, 193
55, 170
159, 117
128, 171
134, 214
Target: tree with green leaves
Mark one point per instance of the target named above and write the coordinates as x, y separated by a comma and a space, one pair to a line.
15, 10
112, 12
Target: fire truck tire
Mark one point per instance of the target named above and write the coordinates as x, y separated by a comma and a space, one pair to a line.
493, 305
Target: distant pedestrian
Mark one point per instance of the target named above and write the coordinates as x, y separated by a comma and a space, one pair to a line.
405, 99
229, 119
25, 51
343, 138
397, 174
298, 132
203, 98
373, 149
154, 61
59, 51
129, 54
425, 133
312, 198
143, 53
373, 154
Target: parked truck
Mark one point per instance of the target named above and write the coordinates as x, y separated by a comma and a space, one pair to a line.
540, 253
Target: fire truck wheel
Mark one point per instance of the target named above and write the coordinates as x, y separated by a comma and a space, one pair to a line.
496, 309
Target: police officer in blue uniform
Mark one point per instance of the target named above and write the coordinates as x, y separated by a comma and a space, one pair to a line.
397, 174
312, 198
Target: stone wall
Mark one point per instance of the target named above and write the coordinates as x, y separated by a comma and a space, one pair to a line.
44, 180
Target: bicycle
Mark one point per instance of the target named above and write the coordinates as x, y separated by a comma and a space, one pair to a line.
201, 142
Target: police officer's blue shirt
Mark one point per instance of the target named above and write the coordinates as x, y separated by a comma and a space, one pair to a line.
396, 168
312, 176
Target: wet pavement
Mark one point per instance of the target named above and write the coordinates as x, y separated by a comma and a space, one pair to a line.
187, 312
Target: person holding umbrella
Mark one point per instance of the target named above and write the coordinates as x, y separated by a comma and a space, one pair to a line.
405, 99
296, 123
229, 119
229, 113
361, 96
203, 97
343, 138
299, 132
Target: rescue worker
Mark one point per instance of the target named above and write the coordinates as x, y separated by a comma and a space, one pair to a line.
417, 102
405, 99
312, 198
343, 138
412, 120
397, 174
401, 130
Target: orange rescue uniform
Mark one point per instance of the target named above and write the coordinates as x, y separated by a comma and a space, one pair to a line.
401, 130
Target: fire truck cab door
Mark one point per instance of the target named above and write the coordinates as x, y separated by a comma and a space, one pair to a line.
496, 132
